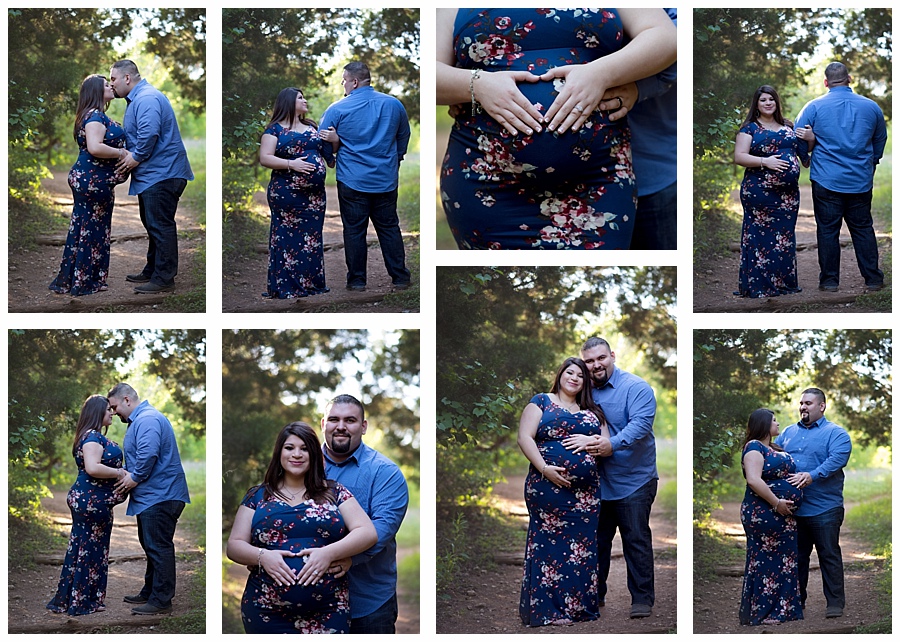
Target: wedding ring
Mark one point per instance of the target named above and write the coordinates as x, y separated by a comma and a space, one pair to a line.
621, 104
578, 108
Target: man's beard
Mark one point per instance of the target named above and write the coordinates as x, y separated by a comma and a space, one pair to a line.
343, 447
599, 378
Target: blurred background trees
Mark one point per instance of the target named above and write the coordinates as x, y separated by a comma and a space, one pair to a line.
52, 372
271, 378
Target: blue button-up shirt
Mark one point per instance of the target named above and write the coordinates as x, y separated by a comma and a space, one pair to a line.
151, 456
153, 138
374, 132
850, 137
821, 449
380, 488
630, 407
654, 122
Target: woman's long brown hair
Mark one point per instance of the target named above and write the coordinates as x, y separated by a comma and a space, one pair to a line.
90, 97
317, 487
91, 418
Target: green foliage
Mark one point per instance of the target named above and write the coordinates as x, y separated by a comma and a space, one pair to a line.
738, 371
503, 333
452, 555
31, 536
408, 575
871, 521
737, 50
667, 497
711, 551
56, 370
270, 378
194, 621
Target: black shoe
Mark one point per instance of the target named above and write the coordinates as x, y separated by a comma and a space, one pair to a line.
834, 611
828, 288
153, 288
135, 599
137, 278
149, 609
640, 610
400, 286
875, 288
602, 601
356, 288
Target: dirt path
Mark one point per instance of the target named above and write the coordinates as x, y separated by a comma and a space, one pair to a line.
31, 271
29, 592
488, 600
715, 281
242, 289
716, 603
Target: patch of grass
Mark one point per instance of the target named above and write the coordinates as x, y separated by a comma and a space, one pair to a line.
712, 550
34, 217
232, 590
36, 535
194, 516
666, 457
195, 192
714, 230
871, 521
408, 193
667, 497
408, 299
242, 231
408, 575
194, 621
865, 484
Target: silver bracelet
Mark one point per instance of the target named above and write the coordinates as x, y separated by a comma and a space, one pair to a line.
476, 108
259, 557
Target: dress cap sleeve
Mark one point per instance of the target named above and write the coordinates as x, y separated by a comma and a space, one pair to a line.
756, 446
748, 128
272, 130
254, 497
341, 493
540, 400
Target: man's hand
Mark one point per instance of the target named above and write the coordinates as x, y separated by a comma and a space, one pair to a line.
126, 163
619, 100
601, 448
339, 568
125, 484
800, 480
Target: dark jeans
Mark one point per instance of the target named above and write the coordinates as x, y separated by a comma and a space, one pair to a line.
381, 621
158, 204
156, 530
831, 208
655, 222
631, 515
822, 531
356, 210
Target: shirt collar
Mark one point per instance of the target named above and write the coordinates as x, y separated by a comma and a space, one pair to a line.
840, 88
131, 94
354, 456
613, 379
818, 422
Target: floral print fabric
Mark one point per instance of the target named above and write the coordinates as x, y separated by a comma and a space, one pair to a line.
546, 190
297, 201
771, 590
85, 263
82, 582
771, 203
323, 607
560, 574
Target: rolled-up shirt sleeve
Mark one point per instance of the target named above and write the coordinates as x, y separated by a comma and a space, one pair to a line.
390, 499
149, 124
839, 449
148, 433
642, 411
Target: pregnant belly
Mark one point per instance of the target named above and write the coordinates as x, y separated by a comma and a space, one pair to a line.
784, 490
591, 153
298, 599
581, 469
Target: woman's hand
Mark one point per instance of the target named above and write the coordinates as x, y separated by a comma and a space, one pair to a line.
774, 163
499, 95
578, 443
784, 507
805, 133
272, 562
580, 95
300, 166
318, 561
555, 475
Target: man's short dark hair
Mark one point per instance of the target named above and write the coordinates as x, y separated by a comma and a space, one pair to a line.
836, 74
815, 391
358, 71
123, 390
343, 399
127, 67
594, 342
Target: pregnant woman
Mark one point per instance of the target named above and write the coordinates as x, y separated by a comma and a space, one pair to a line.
289, 530
93, 178
562, 493
82, 582
771, 592
770, 194
531, 161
